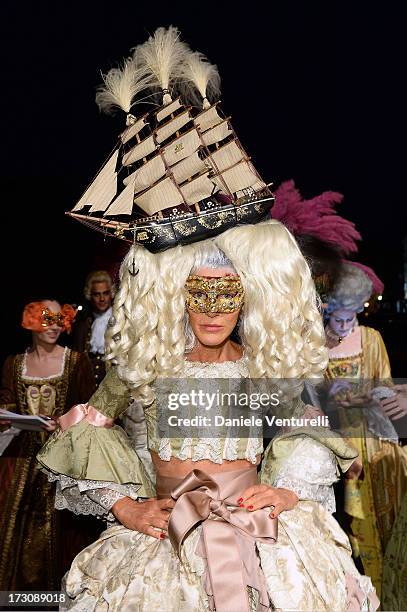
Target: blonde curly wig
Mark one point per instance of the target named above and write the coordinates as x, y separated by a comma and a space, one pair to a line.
281, 327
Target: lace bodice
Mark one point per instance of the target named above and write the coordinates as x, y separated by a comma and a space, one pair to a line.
225, 369
215, 449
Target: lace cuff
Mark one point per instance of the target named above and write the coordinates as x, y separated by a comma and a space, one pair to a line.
321, 493
89, 496
106, 498
305, 466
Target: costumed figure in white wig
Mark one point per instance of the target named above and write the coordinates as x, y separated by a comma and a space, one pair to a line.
88, 332
367, 404
213, 532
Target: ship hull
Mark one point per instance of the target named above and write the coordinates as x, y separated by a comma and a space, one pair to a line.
170, 232
157, 234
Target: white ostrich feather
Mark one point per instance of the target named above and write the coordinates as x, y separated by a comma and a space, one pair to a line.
121, 86
162, 56
198, 70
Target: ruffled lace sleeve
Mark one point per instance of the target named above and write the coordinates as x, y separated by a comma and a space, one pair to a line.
307, 466
309, 471
89, 496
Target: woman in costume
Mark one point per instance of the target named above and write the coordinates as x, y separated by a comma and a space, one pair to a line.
203, 536
376, 504
37, 542
173, 319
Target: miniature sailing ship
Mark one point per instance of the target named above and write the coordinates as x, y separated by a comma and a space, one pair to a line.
177, 174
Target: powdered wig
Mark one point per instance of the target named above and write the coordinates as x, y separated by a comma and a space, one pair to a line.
351, 290
100, 276
281, 327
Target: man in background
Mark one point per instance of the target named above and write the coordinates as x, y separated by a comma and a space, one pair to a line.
88, 331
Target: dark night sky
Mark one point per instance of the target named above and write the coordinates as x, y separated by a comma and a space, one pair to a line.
315, 90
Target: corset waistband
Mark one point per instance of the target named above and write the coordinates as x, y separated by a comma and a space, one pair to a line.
228, 534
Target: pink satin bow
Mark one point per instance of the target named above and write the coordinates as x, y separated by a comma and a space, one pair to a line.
83, 411
229, 534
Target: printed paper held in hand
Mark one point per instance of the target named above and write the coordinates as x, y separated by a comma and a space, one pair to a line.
24, 421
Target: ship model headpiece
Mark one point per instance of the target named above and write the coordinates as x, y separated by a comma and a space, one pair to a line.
178, 174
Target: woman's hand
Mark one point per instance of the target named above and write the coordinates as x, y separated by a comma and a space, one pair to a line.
147, 517
394, 407
263, 496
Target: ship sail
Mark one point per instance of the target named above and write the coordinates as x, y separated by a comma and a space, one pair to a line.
171, 127
133, 129
140, 150
217, 133
147, 175
259, 186
103, 189
188, 167
241, 176
207, 119
182, 147
226, 157
198, 189
123, 204
168, 110
164, 194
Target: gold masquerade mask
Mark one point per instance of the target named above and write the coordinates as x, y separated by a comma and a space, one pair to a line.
221, 295
52, 318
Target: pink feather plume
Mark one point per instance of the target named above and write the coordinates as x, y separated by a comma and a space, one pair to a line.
316, 217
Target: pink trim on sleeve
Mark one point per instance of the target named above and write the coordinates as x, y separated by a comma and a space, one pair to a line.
83, 411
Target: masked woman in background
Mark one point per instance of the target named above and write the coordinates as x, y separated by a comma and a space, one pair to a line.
38, 543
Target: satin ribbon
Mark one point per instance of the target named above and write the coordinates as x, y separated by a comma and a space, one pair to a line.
228, 533
83, 411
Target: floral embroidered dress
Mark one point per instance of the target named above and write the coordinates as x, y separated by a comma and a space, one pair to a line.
307, 566
378, 502
37, 542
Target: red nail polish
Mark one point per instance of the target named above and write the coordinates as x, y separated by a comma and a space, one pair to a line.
162, 536
250, 507
272, 515
239, 501
241, 505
